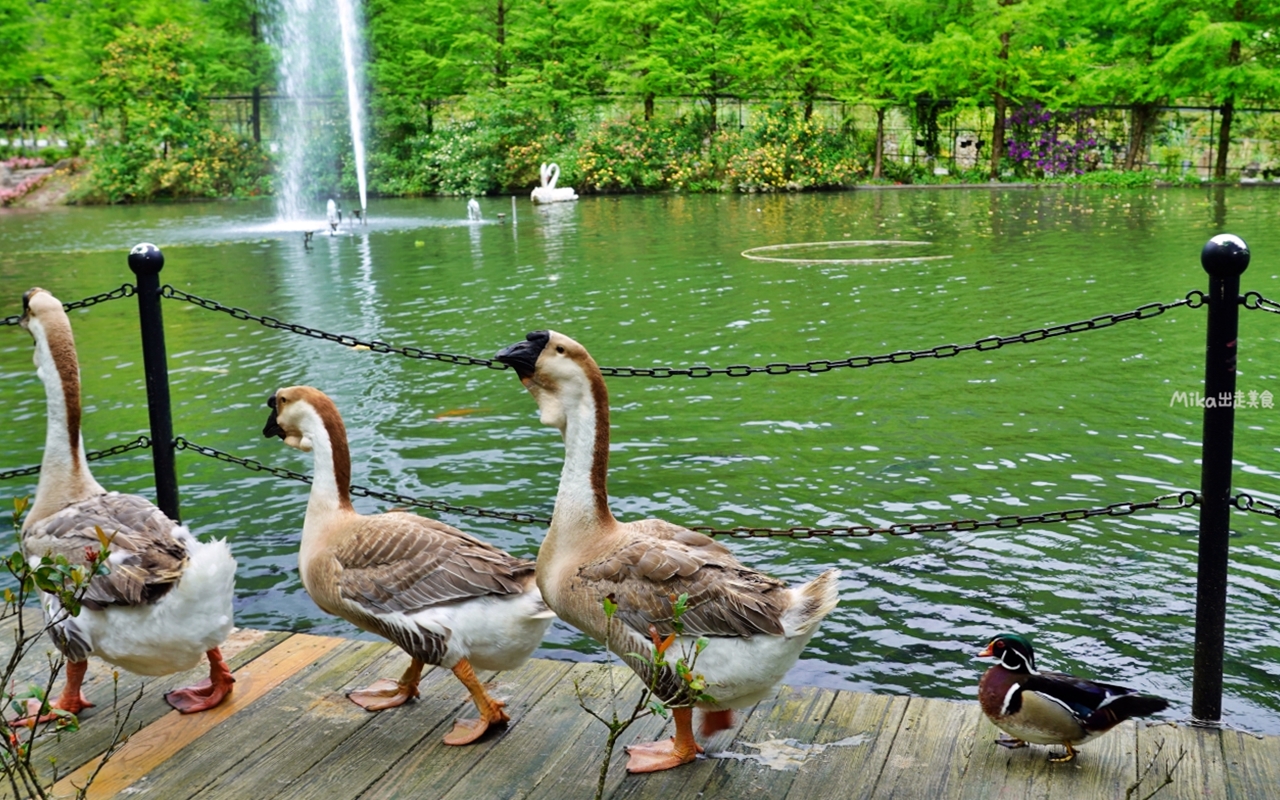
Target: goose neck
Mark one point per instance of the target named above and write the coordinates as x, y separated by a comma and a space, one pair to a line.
64, 470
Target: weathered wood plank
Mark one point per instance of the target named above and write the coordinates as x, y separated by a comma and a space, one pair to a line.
859, 730
690, 779
433, 767
1105, 767
98, 724
526, 755
577, 772
275, 739
159, 741
769, 749
930, 751
1201, 772
1252, 765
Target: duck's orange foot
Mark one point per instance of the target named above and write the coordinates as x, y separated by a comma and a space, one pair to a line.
383, 694
466, 731
73, 704
1070, 755
201, 696
657, 756
1010, 742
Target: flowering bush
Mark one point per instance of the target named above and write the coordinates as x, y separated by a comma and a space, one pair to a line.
8, 196
20, 162
213, 164
786, 152
1051, 142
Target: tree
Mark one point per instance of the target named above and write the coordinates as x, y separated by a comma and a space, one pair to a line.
1229, 54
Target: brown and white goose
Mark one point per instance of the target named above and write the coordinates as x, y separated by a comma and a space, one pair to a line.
166, 599
756, 625
444, 597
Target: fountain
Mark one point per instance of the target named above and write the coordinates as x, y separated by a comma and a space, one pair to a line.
306, 32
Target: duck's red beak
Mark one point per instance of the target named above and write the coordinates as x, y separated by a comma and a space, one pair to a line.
988, 653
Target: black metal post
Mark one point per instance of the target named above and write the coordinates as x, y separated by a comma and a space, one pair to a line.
146, 261
1225, 257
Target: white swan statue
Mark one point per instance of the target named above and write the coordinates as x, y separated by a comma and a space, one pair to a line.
547, 192
334, 216
473, 210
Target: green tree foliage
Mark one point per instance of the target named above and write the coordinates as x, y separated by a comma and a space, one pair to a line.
470, 95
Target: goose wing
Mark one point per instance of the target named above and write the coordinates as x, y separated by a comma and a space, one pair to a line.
146, 559
404, 563
663, 561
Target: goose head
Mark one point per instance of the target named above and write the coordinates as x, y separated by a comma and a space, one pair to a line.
558, 372
300, 415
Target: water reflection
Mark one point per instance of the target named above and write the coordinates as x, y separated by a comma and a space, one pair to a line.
1070, 422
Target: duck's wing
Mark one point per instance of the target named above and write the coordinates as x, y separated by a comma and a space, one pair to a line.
146, 557
663, 561
404, 563
1097, 706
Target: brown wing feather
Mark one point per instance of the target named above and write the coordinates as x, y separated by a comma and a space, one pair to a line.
146, 558
406, 563
664, 561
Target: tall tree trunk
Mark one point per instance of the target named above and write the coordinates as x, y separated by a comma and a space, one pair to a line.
499, 63
648, 106
715, 110
257, 114
879, 169
1228, 111
1224, 138
997, 127
1143, 115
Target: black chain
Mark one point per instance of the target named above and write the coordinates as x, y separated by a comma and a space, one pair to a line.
1194, 299
127, 290
1256, 302
1246, 502
343, 339
140, 442
360, 491
1179, 500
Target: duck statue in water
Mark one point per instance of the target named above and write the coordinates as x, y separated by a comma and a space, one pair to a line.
548, 192
1051, 707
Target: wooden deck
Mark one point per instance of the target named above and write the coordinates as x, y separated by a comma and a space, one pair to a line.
288, 732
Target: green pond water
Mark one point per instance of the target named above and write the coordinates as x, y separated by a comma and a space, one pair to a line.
1076, 421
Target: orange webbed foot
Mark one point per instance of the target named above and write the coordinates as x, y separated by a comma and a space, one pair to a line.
466, 731
72, 705
200, 696
207, 693
383, 694
657, 756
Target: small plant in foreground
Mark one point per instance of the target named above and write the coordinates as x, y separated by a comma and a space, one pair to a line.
67, 583
653, 664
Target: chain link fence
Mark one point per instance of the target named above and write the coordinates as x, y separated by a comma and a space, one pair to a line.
1194, 299
1173, 501
136, 444
127, 290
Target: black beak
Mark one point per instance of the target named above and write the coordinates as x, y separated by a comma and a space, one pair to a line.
272, 428
523, 357
26, 304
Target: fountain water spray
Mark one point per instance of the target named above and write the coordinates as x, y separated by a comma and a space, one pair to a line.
307, 32
351, 47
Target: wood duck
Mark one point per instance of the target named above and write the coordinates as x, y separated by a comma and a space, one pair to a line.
1051, 707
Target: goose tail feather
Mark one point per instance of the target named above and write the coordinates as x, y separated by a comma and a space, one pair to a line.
813, 601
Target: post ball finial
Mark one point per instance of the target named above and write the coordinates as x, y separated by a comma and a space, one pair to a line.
1224, 255
146, 259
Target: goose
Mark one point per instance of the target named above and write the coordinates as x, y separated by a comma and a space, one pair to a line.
756, 625
547, 192
166, 598
442, 596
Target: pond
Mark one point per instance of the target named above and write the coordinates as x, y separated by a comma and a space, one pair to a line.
1076, 421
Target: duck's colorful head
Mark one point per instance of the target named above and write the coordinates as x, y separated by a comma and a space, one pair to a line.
1014, 652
